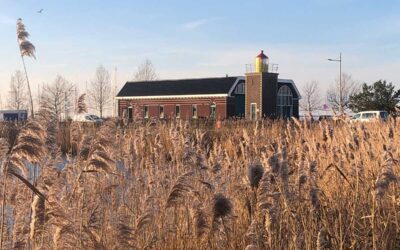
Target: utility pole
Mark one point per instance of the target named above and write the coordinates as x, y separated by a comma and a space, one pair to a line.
340, 81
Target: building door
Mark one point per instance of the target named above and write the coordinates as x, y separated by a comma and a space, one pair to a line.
253, 111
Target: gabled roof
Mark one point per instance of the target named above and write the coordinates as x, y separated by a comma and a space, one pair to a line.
187, 87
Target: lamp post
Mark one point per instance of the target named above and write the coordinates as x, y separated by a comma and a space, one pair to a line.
340, 80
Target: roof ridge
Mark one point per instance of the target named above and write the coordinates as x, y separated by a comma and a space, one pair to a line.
184, 79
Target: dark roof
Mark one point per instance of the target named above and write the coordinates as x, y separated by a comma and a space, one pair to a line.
201, 86
262, 55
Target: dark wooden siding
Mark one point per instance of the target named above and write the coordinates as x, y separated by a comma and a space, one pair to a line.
269, 94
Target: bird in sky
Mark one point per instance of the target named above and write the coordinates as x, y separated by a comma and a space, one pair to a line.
40, 11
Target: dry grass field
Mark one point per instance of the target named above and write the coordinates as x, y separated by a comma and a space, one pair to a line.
265, 185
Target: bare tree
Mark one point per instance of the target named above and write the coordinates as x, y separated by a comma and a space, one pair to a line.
17, 95
345, 89
58, 97
100, 90
311, 98
146, 72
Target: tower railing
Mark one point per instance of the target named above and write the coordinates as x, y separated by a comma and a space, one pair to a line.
270, 68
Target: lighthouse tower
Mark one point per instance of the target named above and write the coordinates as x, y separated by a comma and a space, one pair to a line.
261, 90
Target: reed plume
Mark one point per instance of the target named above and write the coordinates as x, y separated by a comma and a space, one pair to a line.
26, 49
385, 177
222, 206
4, 148
254, 174
81, 105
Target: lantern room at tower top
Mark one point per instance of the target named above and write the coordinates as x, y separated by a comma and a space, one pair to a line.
262, 62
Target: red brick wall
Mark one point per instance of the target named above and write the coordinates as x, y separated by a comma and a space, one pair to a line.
253, 93
203, 107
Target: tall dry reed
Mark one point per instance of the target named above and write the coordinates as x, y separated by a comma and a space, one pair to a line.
264, 185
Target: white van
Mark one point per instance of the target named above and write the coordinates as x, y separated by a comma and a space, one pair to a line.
367, 116
87, 118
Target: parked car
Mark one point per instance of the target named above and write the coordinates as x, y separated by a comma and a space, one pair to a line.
368, 116
325, 117
87, 118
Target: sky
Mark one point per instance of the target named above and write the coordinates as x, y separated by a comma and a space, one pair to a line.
204, 38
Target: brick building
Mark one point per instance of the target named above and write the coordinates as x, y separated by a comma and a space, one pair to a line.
260, 94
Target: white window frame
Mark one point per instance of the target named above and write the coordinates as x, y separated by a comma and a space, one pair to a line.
194, 111
130, 108
253, 104
213, 115
146, 110
161, 114
178, 114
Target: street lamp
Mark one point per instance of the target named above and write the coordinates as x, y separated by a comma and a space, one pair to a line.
340, 80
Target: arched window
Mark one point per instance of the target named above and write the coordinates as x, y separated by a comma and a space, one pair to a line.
285, 102
239, 88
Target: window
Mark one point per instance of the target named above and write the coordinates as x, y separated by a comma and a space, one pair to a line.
125, 113
130, 113
368, 116
285, 102
177, 111
239, 88
161, 111
213, 110
357, 116
383, 114
194, 111
253, 111
146, 111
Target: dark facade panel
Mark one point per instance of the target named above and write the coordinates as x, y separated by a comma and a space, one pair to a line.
269, 92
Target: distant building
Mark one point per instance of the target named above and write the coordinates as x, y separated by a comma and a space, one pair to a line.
260, 94
13, 115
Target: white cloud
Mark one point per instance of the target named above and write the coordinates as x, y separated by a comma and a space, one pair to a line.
195, 24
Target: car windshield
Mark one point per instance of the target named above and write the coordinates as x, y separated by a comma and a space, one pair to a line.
383, 114
356, 116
